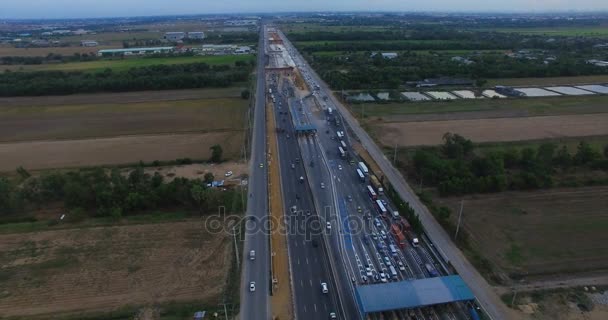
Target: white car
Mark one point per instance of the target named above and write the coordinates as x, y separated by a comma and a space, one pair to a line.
383, 277
252, 286
332, 315
252, 255
324, 287
328, 225
322, 185
228, 174
339, 167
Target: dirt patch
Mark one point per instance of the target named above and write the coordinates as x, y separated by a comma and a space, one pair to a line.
487, 130
102, 269
198, 171
34, 155
533, 234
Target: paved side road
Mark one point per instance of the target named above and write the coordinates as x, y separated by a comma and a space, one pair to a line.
256, 305
485, 294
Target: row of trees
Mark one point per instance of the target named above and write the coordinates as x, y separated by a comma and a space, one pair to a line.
49, 58
366, 72
157, 77
455, 167
112, 193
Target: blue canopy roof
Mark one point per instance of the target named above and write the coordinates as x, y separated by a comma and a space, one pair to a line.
412, 294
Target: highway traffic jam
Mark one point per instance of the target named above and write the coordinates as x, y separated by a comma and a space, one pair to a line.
326, 183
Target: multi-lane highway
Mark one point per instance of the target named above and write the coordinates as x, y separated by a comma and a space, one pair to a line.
480, 287
255, 305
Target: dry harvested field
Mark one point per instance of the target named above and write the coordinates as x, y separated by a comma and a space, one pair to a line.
489, 130
536, 233
116, 150
98, 129
105, 268
122, 97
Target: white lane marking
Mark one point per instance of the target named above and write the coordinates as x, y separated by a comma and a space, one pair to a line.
307, 260
304, 309
310, 282
298, 261
301, 284
315, 305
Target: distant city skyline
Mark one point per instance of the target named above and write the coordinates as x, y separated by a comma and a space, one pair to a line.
57, 9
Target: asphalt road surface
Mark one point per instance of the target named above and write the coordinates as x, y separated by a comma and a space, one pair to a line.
256, 305
484, 293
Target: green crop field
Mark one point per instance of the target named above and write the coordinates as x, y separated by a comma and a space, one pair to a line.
124, 64
558, 31
313, 27
532, 106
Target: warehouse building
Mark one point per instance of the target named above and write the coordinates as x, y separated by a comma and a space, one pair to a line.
175, 36
196, 35
133, 51
89, 43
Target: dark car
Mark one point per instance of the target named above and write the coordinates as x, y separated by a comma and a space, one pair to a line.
315, 243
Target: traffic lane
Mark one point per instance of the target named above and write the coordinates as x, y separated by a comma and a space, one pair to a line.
307, 303
326, 200
343, 280
478, 284
257, 272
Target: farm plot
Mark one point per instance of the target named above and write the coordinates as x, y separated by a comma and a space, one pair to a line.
106, 268
117, 150
94, 131
537, 233
488, 130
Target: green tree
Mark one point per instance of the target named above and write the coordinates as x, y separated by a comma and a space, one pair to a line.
585, 153
24, 174
456, 146
208, 178
563, 157
245, 94
606, 151
216, 153
198, 195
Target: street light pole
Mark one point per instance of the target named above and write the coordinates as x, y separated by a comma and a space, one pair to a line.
459, 219
236, 248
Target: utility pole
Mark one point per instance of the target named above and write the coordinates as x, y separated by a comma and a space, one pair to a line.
513, 300
236, 248
395, 155
459, 219
362, 111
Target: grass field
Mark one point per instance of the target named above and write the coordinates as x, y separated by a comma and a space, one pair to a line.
109, 268
146, 126
6, 50
598, 31
521, 106
538, 233
125, 64
548, 81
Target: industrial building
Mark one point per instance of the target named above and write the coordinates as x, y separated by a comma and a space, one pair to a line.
441, 82
196, 35
175, 36
89, 43
243, 50
133, 51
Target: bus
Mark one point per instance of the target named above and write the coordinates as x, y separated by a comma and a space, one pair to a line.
381, 207
343, 144
361, 175
363, 168
342, 153
372, 194
393, 249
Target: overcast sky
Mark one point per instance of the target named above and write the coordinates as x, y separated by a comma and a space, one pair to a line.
18, 9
